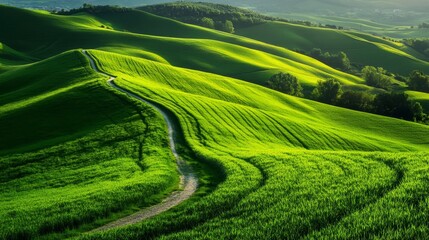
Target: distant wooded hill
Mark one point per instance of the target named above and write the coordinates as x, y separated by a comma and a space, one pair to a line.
338, 6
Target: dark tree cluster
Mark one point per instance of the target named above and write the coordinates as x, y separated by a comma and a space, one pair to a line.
424, 25
397, 105
377, 77
420, 45
330, 91
331, 26
418, 81
327, 91
380, 78
335, 60
88, 8
285, 83
360, 101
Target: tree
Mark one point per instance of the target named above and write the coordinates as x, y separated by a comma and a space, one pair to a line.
420, 45
316, 53
418, 112
343, 61
87, 5
424, 25
207, 22
340, 60
360, 101
327, 91
229, 26
285, 83
396, 105
418, 81
377, 77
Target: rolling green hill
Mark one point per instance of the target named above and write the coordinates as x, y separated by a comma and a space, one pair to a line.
259, 139
10, 56
75, 153
67, 142
292, 114
27, 83
211, 51
361, 48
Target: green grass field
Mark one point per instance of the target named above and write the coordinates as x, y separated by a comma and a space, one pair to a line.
68, 142
75, 153
283, 198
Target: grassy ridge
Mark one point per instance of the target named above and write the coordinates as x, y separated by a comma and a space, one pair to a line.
258, 139
219, 95
228, 54
291, 167
35, 90
361, 48
159, 26
72, 152
20, 82
9, 56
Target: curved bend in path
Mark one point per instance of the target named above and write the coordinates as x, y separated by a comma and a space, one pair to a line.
188, 179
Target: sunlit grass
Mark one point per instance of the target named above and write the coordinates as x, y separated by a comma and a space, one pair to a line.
258, 139
74, 152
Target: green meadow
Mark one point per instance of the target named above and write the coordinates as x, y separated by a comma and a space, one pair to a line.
276, 141
68, 142
76, 153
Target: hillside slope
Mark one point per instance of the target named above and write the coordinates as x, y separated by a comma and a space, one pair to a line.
259, 141
10, 56
67, 142
189, 88
226, 55
76, 153
361, 48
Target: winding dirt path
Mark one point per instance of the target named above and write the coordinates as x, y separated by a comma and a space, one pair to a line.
188, 179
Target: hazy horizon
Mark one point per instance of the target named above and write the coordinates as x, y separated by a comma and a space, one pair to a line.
393, 12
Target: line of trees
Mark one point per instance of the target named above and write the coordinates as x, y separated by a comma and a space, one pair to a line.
88, 8
380, 78
330, 91
397, 105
